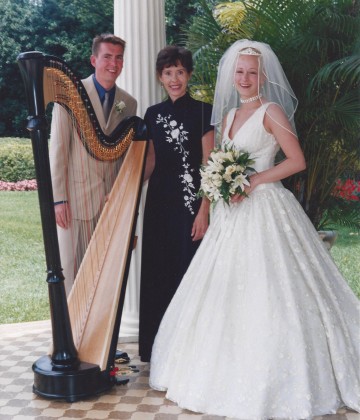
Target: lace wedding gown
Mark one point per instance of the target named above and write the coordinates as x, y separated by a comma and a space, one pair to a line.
263, 325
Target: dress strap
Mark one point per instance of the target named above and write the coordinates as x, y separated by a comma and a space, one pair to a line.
262, 111
264, 107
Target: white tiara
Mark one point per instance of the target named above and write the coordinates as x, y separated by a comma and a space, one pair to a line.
249, 51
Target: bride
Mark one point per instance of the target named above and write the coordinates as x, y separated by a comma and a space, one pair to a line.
263, 325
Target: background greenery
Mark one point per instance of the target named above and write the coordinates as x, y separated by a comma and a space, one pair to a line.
16, 159
58, 27
64, 28
22, 260
317, 42
24, 293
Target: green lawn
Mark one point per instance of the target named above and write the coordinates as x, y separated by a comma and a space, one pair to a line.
24, 293
346, 253
22, 260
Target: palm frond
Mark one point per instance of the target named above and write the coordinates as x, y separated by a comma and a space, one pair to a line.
346, 110
231, 17
342, 213
343, 70
317, 44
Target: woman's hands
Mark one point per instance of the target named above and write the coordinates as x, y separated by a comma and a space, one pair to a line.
201, 222
237, 198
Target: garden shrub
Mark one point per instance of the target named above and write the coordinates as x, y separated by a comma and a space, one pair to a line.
16, 160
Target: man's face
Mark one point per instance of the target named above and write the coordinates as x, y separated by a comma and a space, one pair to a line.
108, 64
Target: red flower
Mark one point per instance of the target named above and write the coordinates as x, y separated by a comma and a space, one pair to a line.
348, 190
113, 371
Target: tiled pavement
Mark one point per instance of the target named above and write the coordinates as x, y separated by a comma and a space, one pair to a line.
22, 344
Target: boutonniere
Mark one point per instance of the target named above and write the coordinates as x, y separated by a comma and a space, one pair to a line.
120, 106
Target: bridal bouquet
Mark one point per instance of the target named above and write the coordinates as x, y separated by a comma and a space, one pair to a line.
226, 174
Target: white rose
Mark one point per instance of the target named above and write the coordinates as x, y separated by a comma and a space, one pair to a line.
230, 170
175, 133
188, 178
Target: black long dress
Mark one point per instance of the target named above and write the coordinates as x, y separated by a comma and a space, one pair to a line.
176, 130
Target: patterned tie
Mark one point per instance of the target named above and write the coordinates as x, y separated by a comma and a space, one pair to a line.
106, 106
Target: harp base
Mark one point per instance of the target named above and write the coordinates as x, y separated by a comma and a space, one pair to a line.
72, 385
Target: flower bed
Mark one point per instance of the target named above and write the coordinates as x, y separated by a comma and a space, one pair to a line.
25, 185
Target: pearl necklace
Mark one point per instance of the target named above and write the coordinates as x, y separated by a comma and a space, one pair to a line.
252, 99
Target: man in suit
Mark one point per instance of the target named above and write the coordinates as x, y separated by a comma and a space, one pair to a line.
81, 183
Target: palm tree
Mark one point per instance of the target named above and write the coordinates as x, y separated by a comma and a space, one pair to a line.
318, 45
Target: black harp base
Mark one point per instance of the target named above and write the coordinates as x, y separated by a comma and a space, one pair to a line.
83, 382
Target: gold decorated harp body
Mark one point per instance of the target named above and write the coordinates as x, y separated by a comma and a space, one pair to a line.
85, 326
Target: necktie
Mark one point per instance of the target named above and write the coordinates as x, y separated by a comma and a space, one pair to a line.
106, 106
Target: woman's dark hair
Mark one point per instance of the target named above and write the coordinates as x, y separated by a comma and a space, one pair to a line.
172, 55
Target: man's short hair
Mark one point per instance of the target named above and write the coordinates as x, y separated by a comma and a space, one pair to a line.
109, 38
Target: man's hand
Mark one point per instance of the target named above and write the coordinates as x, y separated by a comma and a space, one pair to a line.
63, 215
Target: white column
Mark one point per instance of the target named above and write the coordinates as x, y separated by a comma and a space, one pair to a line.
141, 23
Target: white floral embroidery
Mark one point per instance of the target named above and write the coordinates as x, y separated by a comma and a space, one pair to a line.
176, 134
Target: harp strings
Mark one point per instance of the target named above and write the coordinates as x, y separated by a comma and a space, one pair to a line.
59, 87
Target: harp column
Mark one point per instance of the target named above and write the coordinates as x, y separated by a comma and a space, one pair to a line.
142, 25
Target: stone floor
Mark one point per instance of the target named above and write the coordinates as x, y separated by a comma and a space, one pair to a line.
22, 344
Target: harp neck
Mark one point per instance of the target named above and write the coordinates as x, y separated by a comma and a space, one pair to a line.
49, 79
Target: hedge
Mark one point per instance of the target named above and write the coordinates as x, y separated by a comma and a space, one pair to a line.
16, 159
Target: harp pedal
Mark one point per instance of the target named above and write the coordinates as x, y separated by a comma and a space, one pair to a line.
127, 371
122, 360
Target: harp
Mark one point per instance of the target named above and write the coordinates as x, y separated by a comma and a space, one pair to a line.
85, 326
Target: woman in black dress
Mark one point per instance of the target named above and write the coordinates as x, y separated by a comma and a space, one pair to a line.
175, 219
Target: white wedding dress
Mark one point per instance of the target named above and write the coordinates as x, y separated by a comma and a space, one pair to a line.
263, 325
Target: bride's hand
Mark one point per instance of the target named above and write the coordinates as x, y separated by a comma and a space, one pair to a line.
238, 198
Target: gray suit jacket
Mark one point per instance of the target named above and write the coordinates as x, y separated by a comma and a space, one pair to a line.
76, 176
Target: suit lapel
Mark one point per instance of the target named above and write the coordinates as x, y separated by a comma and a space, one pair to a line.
114, 118
95, 100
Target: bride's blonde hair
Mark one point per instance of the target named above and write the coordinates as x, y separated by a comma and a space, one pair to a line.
275, 87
